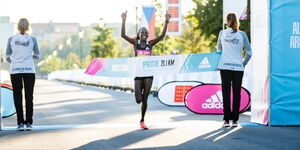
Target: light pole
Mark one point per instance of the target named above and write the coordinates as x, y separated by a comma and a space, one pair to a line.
68, 46
60, 46
54, 53
101, 26
136, 19
80, 34
101, 23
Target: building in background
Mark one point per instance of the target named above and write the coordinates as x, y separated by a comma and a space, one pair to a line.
7, 29
53, 31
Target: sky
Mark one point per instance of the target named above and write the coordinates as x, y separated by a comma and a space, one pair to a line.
83, 11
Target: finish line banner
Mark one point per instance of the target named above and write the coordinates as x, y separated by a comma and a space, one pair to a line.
153, 65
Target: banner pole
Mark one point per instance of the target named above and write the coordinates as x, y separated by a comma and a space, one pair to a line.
1, 63
223, 15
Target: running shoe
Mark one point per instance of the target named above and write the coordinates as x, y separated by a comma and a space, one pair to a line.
143, 126
235, 124
226, 124
21, 127
28, 127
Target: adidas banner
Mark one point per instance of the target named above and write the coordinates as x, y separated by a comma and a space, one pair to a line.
153, 65
207, 99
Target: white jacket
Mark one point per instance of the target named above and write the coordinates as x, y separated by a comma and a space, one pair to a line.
20, 52
231, 45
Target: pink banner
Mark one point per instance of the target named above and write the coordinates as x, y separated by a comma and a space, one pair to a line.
95, 66
207, 99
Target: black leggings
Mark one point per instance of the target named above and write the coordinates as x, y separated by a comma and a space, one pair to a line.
17, 81
142, 87
233, 78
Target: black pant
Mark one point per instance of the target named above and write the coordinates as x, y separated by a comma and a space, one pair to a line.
233, 78
17, 81
142, 87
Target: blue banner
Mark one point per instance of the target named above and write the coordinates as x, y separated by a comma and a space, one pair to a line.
284, 62
200, 63
7, 101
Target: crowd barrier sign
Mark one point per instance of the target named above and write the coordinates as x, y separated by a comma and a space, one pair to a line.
172, 93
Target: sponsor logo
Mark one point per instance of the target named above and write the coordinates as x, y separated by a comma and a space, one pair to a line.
119, 68
22, 69
22, 43
180, 91
214, 102
233, 41
143, 52
204, 63
159, 63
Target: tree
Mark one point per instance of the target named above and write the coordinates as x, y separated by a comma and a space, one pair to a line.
191, 40
161, 48
73, 61
104, 44
62, 61
209, 16
52, 63
87, 60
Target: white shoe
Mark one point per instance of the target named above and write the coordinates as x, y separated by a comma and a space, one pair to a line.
235, 124
226, 124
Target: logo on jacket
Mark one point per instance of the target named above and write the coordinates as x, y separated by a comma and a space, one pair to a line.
233, 41
25, 43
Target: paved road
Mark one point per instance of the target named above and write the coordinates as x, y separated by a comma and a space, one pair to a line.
71, 116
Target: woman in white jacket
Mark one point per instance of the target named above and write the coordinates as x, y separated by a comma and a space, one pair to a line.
21, 50
231, 42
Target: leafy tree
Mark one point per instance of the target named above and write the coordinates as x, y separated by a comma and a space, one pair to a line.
61, 60
73, 61
209, 16
104, 44
191, 40
162, 47
52, 63
86, 61
126, 49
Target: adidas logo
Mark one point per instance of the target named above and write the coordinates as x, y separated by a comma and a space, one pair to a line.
205, 63
214, 102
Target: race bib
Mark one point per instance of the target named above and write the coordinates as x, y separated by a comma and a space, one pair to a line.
143, 53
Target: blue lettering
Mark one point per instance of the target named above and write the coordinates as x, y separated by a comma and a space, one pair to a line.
151, 63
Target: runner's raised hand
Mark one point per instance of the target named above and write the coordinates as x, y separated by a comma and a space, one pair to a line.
124, 15
168, 16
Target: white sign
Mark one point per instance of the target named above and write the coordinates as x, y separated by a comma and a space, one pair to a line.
237, 6
174, 9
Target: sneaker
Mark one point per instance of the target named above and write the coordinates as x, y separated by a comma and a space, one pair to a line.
21, 127
234, 124
225, 124
143, 126
28, 127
